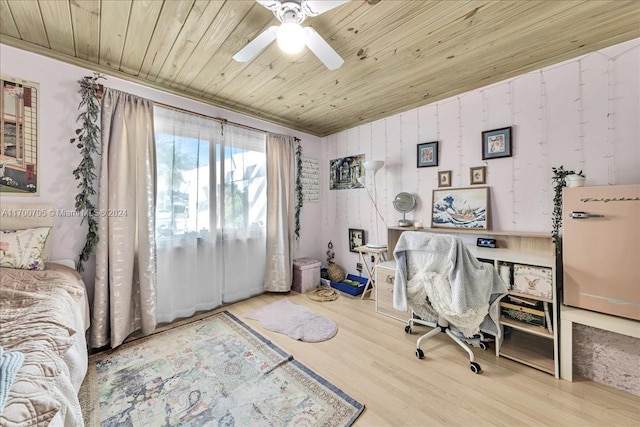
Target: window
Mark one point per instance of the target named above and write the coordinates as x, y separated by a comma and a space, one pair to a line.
182, 198
210, 213
245, 180
199, 160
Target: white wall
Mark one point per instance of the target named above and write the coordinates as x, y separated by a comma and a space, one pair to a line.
583, 114
58, 110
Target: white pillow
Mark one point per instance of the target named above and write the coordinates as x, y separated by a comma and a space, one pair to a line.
23, 249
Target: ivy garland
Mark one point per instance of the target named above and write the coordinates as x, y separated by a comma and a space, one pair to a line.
87, 140
299, 194
559, 182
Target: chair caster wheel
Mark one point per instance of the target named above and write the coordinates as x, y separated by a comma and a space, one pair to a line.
419, 354
407, 329
475, 368
483, 346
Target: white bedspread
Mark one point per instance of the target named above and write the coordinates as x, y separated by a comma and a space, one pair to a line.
42, 314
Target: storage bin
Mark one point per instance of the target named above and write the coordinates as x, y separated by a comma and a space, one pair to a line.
536, 281
306, 274
523, 314
348, 289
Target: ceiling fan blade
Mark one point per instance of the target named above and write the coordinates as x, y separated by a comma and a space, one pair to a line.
316, 7
270, 4
256, 45
322, 50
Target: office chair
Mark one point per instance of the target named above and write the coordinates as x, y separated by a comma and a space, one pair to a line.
448, 289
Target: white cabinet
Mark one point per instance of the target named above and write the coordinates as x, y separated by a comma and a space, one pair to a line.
530, 335
385, 278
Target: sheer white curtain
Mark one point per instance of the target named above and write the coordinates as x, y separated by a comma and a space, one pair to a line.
243, 219
211, 204
280, 216
125, 284
189, 271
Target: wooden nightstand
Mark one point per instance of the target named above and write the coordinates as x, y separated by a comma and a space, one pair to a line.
385, 277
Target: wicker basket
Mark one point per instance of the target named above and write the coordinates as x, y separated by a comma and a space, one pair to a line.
335, 273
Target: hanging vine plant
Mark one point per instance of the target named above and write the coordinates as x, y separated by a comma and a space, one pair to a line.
87, 140
559, 182
299, 194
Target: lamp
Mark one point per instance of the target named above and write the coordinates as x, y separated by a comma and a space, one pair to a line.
374, 166
291, 37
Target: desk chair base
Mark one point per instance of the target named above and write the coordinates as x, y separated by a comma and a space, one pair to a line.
443, 326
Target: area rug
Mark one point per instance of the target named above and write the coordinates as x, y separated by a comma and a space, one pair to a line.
296, 321
215, 371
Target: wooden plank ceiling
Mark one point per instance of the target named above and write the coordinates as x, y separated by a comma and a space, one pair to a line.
398, 54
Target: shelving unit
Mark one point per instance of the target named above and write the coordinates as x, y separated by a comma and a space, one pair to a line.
531, 345
530, 349
524, 327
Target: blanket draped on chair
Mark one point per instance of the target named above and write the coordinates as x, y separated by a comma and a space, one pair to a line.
467, 292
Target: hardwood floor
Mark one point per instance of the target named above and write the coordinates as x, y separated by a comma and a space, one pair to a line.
372, 359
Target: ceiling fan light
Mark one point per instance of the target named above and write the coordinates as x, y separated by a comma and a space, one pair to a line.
291, 37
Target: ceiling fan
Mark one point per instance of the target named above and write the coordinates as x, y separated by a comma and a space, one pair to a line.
290, 35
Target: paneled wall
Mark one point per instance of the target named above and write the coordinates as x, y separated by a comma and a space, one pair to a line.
582, 114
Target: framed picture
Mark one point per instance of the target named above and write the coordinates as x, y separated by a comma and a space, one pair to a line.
428, 154
496, 143
19, 137
356, 238
344, 172
478, 175
444, 178
460, 208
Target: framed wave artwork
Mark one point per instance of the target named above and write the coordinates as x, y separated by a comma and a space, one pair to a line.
461, 208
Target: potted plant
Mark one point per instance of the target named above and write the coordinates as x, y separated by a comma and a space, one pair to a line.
561, 179
575, 180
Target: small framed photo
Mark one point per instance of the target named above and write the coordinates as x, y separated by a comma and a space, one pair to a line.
444, 178
356, 239
478, 175
496, 143
428, 154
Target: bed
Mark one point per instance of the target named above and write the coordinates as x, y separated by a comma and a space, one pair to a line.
44, 316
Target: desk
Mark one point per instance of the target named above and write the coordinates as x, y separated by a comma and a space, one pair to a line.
378, 255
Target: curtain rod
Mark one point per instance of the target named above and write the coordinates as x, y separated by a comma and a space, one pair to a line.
100, 92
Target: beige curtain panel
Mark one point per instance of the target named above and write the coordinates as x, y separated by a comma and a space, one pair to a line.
280, 212
125, 285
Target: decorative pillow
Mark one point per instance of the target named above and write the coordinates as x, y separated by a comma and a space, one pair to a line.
20, 216
23, 249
